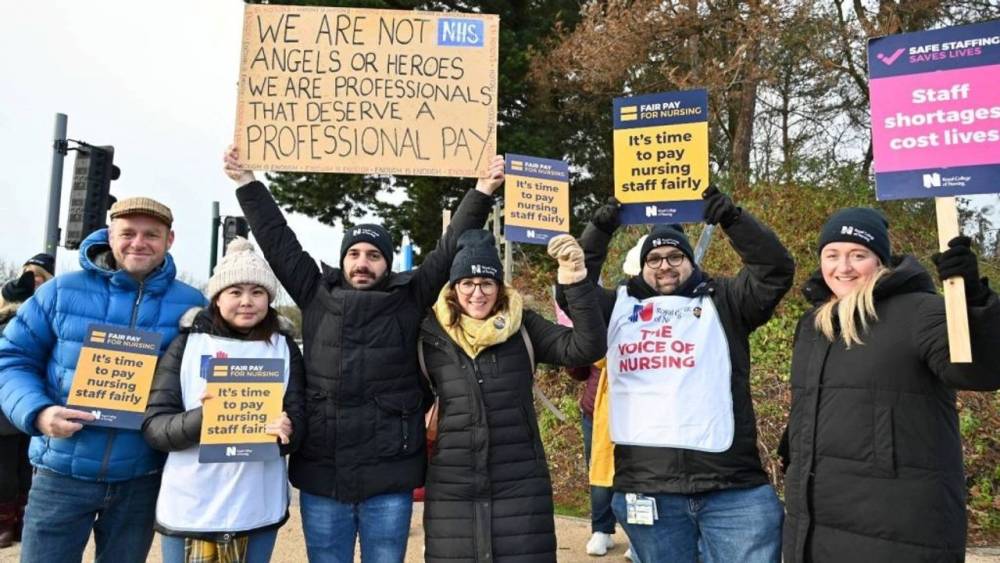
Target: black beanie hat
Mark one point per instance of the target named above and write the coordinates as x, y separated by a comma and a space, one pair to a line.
860, 225
666, 235
46, 261
375, 235
476, 257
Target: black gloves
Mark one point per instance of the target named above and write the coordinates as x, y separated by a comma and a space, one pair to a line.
959, 260
606, 216
719, 208
16, 291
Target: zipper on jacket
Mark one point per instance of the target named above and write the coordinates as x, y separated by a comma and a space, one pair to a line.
135, 306
113, 432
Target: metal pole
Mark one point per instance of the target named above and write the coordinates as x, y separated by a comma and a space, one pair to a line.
703, 241
508, 262
496, 226
216, 221
59, 147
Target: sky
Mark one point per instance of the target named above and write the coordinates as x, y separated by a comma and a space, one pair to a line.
158, 81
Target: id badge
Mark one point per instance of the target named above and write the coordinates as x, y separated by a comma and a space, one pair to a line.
639, 509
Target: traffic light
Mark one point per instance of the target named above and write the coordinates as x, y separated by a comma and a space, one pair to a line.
233, 227
89, 198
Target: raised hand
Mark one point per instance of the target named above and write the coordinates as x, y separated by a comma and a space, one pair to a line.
567, 251
494, 177
234, 169
719, 208
606, 218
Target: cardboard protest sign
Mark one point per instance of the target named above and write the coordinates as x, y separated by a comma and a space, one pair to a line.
536, 199
113, 375
246, 393
935, 104
367, 91
661, 156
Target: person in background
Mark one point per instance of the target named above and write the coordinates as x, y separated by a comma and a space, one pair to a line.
15, 469
602, 517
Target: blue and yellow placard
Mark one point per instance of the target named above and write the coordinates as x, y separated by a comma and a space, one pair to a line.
244, 395
113, 375
661, 156
536, 199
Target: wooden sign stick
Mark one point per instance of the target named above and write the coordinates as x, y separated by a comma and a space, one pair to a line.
954, 288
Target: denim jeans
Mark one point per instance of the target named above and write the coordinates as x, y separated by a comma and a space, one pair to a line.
259, 547
331, 527
62, 510
732, 525
602, 518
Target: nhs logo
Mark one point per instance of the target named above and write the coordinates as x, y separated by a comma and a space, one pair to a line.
460, 32
932, 180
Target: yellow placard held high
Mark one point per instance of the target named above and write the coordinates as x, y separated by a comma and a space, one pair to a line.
661, 156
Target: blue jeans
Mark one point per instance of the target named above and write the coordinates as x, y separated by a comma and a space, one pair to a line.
602, 518
259, 547
731, 525
331, 527
62, 510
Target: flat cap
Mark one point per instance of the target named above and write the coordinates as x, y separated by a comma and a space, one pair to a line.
142, 206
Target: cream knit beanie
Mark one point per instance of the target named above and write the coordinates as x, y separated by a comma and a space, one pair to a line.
242, 265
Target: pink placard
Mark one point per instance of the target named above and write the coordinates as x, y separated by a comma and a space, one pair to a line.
913, 128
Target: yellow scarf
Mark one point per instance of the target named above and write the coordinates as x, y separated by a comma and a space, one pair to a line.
474, 335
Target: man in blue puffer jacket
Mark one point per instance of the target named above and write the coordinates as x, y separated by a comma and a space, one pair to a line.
91, 477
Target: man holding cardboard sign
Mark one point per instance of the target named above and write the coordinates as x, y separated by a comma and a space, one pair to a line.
89, 476
363, 453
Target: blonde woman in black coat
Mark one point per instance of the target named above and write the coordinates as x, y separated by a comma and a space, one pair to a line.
875, 470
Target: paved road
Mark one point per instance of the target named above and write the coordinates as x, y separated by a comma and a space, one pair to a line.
572, 536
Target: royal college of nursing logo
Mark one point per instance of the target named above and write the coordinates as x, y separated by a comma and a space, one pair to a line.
643, 312
481, 270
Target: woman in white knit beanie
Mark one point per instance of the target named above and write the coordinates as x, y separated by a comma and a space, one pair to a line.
223, 511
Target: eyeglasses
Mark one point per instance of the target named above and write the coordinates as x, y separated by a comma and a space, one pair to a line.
468, 287
674, 259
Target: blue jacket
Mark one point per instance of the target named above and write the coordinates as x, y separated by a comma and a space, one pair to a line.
40, 346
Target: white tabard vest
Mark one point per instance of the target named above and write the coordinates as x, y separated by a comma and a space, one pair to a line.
669, 374
221, 497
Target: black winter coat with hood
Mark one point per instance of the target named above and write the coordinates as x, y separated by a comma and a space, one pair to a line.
876, 457
488, 495
745, 302
364, 397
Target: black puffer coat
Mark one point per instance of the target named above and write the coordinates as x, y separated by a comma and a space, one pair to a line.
876, 454
488, 495
745, 302
364, 400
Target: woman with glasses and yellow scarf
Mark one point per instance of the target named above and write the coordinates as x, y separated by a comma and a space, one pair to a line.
488, 492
